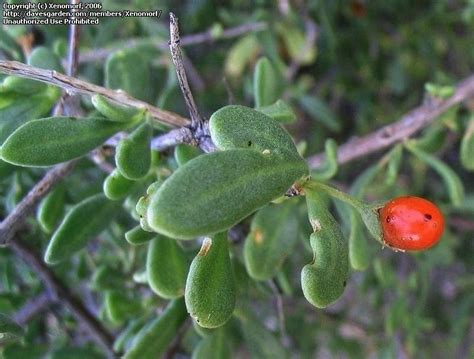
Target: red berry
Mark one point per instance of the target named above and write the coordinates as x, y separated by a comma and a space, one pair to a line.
411, 223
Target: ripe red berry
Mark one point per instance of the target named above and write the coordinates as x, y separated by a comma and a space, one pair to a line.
411, 223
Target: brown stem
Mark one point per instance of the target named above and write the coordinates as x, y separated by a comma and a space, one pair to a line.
407, 126
73, 85
188, 40
196, 119
61, 293
16, 218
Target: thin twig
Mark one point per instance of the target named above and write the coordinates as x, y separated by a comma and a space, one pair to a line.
61, 293
73, 85
176, 343
406, 127
33, 307
196, 119
74, 35
173, 138
16, 218
279, 308
188, 40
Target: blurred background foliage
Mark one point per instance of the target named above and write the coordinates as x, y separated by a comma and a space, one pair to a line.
346, 68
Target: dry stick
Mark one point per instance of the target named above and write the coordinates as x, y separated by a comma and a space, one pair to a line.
60, 292
196, 119
73, 85
33, 307
16, 218
194, 39
407, 126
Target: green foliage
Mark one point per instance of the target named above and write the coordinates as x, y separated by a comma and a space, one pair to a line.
331, 73
153, 339
133, 155
214, 184
166, 267
48, 141
210, 286
273, 236
84, 221
324, 279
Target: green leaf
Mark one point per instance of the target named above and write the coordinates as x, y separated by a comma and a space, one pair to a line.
51, 209
320, 112
214, 346
129, 70
84, 221
167, 267
21, 109
117, 186
273, 236
215, 191
330, 166
133, 154
450, 178
155, 337
359, 252
280, 111
467, 147
240, 55
243, 127
10, 46
117, 112
22, 85
9, 330
266, 86
324, 279
295, 42
48, 141
125, 337
260, 341
394, 162
44, 58
137, 236
107, 278
185, 153
120, 306
210, 286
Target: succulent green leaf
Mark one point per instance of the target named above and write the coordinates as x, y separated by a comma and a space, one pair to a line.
243, 127
126, 336
330, 166
22, 85
84, 221
120, 306
210, 286
21, 109
324, 279
214, 346
129, 70
394, 162
167, 267
143, 203
215, 191
44, 58
115, 111
261, 342
48, 141
359, 252
107, 278
273, 236
185, 153
266, 86
240, 55
451, 180
133, 154
152, 341
137, 236
117, 186
51, 209
9, 330
280, 111
320, 112
467, 147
